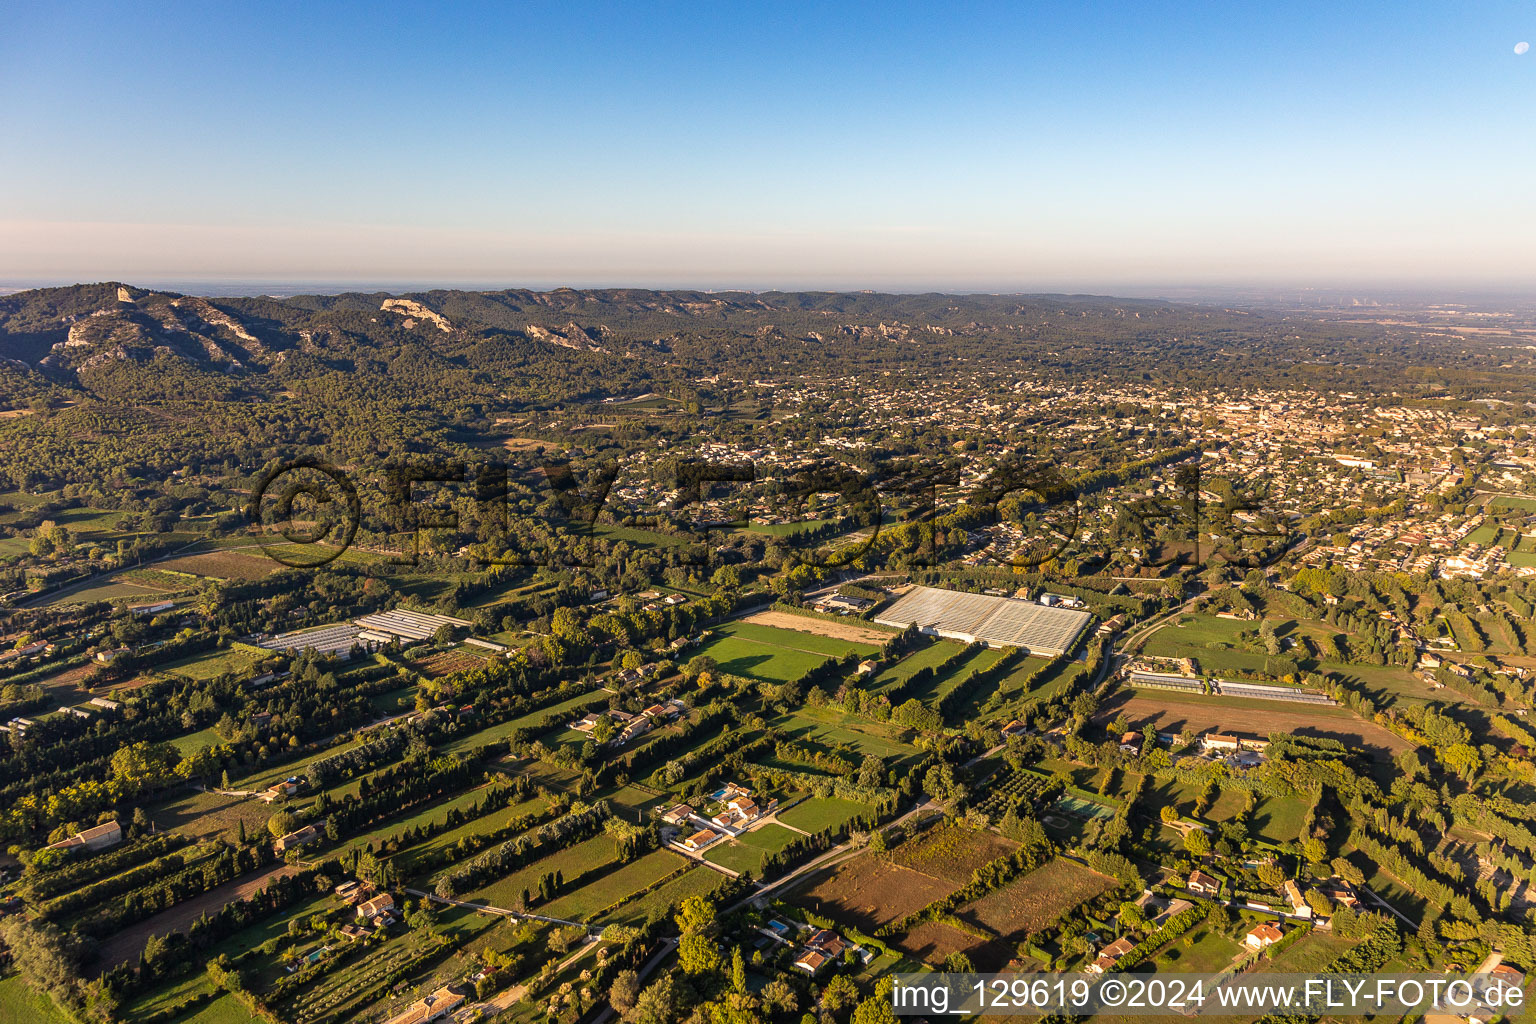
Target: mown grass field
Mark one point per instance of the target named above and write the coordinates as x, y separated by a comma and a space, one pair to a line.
569, 862
747, 851
818, 813
613, 886
698, 881
774, 655
20, 1004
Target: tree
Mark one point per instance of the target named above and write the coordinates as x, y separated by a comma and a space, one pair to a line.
657, 1004
780, 997
697, 954
45, 956
698, 665
695, 916
839, 994
877, 1009
1345, 869
738, 972
281, 823
1197, 842
624, 992
1270, 876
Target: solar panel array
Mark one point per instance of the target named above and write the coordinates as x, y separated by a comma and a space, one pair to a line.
995, 621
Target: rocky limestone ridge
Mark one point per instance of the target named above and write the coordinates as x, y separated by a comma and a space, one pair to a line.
413, 311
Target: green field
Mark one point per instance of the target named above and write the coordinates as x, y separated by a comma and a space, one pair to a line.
571, 862
637, 536
615, 885
106, 590
795, 640
930, 656
699, 881
746, 852
406, 859
19, 1003
1509, 501
829, 727
1309, 954
1207, 953
956, 673
192, 742
210, 664
761, 657
468, 742
818, 813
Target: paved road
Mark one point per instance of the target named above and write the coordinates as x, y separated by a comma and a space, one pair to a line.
650, 965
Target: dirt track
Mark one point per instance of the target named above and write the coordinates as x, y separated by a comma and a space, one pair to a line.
127, 944
822, 627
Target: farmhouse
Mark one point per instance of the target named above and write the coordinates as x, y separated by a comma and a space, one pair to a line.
287, 787
1219, 741
431, 1007
677, 815
1262, 936
843, 605
994, 621
108, 833
1341, 892
294, 840
383, 903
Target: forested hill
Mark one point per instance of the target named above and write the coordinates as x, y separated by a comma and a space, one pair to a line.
124, 344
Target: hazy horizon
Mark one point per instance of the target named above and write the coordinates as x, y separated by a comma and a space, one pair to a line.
997, 148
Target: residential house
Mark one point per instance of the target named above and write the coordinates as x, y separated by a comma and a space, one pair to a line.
1262, 936
1202, 884
700, 839
1219, 741
677, 815
810, 961
1299, 905
1111, 955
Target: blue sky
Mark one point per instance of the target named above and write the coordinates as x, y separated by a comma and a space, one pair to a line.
1008, 146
